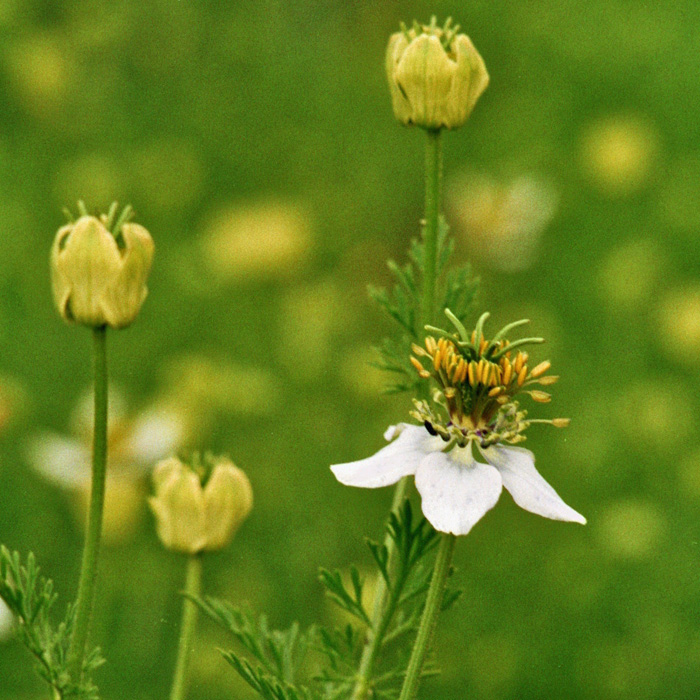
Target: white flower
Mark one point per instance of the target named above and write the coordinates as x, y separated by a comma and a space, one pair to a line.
455, 489
135, 444
7, 621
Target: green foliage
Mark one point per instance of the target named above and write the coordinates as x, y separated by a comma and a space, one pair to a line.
31, 597
277, 658
457, 290
278, 654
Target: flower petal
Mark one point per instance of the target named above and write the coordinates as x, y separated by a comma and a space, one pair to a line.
456, 490
529, 490
7, 622
62, 460
396, 460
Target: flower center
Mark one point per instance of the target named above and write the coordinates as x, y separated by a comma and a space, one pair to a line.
477, 380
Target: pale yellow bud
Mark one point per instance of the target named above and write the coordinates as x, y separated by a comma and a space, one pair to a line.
96, 281
432, 86
193, 518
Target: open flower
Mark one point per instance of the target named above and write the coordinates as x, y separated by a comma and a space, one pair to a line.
135, 443
477, 381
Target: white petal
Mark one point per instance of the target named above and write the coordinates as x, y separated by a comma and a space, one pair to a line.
155, 435
456, 490
529, 490
7, 621
64, 461
392, 462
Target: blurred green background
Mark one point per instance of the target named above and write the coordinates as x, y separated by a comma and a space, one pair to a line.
256, 142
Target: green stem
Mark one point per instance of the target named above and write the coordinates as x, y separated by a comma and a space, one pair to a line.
429, 619
382, 612
433, 183
91, 550
193, 587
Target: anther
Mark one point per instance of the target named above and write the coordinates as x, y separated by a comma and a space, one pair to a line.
521, 375
540, 369
561, 422
540, 396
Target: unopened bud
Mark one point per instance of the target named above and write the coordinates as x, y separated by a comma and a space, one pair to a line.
193, 515
435, 76
98, 281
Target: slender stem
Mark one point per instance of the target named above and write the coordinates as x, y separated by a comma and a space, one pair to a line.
433, 183
91, 550
429, 619
193, 587
382, 612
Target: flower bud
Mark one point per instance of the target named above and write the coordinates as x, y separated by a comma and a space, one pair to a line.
97, 279
195, 514
435, 76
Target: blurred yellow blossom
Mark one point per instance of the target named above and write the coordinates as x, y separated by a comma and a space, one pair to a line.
257, 241
689, 473
94, 177
678, 317
628, 274
40, 71
501, 222
618, 153
646, 413
311, 317
631, 529
202, 387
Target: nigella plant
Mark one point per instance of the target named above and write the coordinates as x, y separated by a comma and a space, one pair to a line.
471, 396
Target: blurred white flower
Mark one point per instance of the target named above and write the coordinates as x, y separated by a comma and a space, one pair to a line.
135, 443
501, 222
456, 490
7, 622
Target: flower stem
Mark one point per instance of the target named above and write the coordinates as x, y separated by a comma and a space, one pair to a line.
433, 185
193, 587
429, 618
383, 610
91, 550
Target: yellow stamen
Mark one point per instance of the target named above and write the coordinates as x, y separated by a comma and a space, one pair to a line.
540, 396
521, 375
430, 344
550, 379
437, 359
561, 422
417, 364
472, 373
540, 369
483, 345
495, 391
424, 374
481, 371
507, 372
519, 362
418, 350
